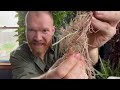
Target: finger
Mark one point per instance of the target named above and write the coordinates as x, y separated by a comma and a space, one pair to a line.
70, 52
60, 71
112, 17
77, 72
104, 15
103, 26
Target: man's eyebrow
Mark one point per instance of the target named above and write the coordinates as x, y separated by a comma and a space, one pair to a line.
46, 28
30, 29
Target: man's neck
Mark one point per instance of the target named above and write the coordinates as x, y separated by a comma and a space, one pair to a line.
42, 57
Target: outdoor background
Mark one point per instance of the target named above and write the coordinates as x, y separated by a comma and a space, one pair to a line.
7, 36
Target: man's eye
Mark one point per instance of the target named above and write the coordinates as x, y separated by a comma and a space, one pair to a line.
31, 30
45, 30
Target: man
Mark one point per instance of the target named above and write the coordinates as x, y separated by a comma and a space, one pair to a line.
37, 59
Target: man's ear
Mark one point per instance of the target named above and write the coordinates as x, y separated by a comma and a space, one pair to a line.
53, 29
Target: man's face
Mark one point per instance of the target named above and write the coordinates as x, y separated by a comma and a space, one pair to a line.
39, 33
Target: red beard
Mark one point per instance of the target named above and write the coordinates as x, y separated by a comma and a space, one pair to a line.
39, 48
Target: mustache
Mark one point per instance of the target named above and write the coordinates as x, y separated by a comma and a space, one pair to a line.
37, 42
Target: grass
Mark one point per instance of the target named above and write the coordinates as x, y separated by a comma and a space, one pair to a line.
106, 70
8, 46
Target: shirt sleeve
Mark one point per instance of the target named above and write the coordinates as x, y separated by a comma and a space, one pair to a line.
21, 68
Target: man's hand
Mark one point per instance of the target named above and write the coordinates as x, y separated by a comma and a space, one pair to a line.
72, 68
105, 23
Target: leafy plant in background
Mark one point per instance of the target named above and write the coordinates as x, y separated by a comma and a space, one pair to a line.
61, 18
21, 28
107, 70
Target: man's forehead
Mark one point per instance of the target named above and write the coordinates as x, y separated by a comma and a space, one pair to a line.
39, 17
39, 12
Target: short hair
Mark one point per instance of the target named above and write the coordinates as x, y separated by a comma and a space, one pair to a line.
38, 12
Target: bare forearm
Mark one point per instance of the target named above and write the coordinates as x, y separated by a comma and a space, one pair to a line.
94, 55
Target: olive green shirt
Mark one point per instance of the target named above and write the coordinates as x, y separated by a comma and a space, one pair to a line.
26, 65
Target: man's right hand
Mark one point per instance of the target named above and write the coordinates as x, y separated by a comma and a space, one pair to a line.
72, 68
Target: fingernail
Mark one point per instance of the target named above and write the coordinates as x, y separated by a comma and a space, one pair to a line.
99, 12
77, 56
93, 19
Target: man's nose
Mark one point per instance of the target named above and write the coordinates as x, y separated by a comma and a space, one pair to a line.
38, 36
